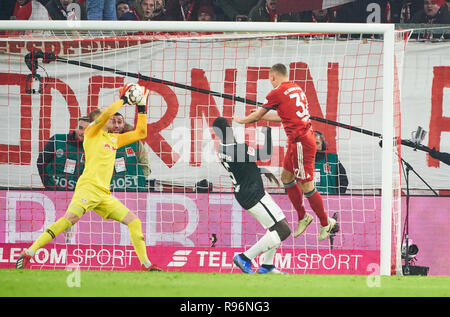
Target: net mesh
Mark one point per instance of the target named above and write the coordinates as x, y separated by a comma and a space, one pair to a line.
191, 220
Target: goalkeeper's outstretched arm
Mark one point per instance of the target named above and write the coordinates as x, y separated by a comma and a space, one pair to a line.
103, 118
140, 132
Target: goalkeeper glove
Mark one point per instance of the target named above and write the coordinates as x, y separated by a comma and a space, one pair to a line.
123, 92
142, 104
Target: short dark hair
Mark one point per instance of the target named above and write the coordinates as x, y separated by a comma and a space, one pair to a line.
280, 69
122, 2
221, 124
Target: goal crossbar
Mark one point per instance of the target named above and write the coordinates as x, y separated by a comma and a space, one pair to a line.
197, 26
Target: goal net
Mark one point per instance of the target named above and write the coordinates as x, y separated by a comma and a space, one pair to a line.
173, 180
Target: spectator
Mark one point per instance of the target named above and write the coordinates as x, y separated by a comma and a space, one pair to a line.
120, 126
66, 10
319, 15
29, 10
206, 13
218, 12
445, 12
265, 10
184, 10
159, 13
122, 7
147, 10
433, 12
7, 9
329, 174
237, 10
61, 161
101, 9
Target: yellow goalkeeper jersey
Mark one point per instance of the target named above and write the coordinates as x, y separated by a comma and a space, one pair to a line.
100, 147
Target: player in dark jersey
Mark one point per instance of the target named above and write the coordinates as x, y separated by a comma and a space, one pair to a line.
291, 106
240, 162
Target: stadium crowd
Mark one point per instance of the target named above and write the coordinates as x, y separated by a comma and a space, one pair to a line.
362, 11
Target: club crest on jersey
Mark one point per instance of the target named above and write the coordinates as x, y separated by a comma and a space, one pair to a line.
251, 151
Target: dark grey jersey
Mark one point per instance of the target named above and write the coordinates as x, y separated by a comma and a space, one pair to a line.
240, 162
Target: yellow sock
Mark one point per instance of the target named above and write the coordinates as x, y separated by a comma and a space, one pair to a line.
137, 239
50, 233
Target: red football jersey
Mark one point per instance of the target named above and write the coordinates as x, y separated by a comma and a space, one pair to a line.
289, 100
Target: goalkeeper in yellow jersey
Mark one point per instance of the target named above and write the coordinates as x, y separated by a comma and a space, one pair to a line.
92, 189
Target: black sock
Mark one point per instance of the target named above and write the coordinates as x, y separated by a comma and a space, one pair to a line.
268, 266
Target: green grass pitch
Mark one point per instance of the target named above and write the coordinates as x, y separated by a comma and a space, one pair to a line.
61, 283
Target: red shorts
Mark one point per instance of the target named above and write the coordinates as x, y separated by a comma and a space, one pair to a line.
300, 156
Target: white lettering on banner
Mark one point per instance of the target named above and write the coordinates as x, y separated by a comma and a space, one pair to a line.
12, 235
2, 260
152, 236
202, 254
223, 259
283, 261
41, 259
179, 258
328, 261
14, 254
119, 256
42, 256
215, 258
102, 257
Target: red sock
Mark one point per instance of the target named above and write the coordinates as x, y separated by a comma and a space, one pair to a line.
316, 203
296, 196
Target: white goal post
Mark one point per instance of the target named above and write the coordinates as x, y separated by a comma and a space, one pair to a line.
383, 32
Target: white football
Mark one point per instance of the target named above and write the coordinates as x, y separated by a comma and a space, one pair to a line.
134, 94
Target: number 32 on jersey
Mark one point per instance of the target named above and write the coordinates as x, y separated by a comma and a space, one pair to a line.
302, 104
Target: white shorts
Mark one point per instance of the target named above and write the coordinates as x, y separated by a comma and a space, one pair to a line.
267, 212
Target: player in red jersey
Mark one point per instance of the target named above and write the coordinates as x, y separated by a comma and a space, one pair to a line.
291, 106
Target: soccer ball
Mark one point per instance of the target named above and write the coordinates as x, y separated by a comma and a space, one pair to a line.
134, 94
